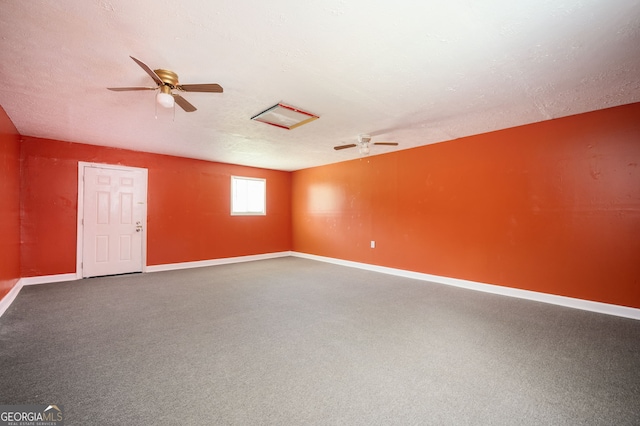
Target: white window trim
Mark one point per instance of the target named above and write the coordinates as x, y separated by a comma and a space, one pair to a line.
264, 209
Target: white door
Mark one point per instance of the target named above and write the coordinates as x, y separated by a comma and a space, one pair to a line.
113, 220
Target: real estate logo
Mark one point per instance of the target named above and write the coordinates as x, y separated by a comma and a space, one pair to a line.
31, 415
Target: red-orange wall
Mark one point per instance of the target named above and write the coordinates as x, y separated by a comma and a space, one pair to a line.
552, 207
9, 204
188, 213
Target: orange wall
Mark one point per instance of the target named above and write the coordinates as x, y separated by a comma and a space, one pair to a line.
552, 207
9, 204
188, 209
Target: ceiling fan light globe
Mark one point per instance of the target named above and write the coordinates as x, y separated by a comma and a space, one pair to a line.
165, 99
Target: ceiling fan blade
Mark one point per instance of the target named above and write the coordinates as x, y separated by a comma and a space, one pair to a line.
339, 147
183, 103
386, 143
210, 88
124, 89
148, 70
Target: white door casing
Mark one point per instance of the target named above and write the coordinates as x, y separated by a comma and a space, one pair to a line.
112, 212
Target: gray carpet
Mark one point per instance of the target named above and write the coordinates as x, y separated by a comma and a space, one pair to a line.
291, 341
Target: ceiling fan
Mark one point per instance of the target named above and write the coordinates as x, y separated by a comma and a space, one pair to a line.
167, 81
364, 144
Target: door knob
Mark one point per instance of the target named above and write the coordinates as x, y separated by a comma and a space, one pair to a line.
138, 228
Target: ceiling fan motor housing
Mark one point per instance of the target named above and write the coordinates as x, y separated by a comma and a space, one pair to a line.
168, 77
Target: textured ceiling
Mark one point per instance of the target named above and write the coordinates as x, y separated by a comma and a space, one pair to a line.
407, 71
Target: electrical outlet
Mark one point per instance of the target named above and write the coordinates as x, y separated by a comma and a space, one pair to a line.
373, 244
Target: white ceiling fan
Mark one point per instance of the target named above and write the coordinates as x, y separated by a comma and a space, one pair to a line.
364, 144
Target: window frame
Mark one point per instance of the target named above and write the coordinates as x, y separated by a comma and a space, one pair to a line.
263, 212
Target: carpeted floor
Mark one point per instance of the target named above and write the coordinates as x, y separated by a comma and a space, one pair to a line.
291, 341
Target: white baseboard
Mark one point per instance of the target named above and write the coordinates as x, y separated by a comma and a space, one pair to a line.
587, 305
214, 262
8, 298
6, 301
46, 279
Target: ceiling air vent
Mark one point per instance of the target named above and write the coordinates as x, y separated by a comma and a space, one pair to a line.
285, 116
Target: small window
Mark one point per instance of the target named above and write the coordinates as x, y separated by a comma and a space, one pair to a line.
248, 196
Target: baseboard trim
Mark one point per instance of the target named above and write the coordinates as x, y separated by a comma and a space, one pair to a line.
586, 305
215, 262
46, 279
8, 298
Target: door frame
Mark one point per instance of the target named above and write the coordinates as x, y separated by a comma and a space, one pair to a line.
80, 212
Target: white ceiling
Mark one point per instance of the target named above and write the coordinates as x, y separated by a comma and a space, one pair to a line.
413, 72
